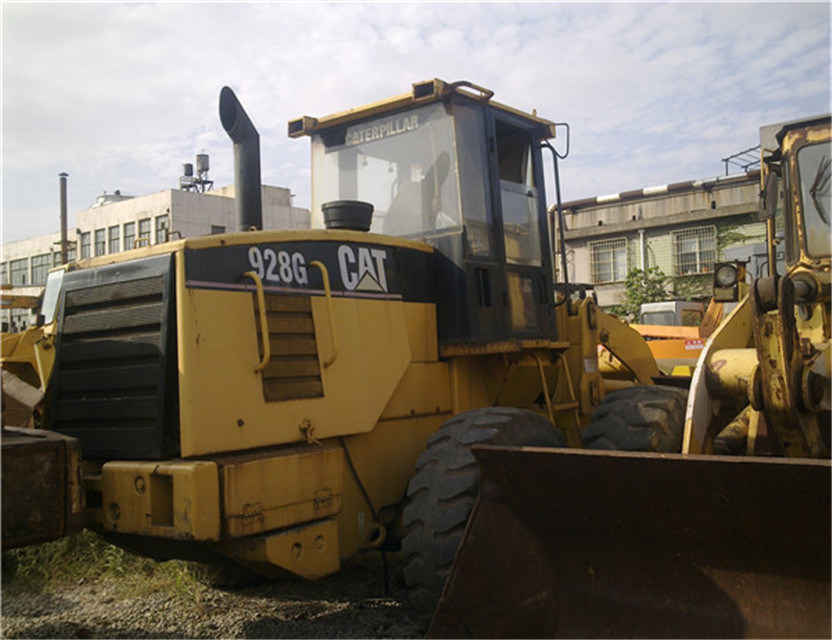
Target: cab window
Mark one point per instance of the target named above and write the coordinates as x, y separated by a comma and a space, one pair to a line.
518, 195
813, 166
403, 163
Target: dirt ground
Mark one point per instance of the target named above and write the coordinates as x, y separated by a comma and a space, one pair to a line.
350, 604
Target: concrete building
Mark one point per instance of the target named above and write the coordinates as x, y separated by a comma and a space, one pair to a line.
682, 229
117, 222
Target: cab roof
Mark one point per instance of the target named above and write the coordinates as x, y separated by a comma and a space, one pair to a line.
434, 90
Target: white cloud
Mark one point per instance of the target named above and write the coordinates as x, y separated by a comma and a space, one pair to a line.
119, 95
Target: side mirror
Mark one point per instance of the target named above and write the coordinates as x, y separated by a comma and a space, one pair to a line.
769, 197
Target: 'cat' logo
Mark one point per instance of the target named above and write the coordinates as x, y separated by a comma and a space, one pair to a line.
362, 272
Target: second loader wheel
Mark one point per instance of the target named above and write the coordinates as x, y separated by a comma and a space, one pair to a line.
443, 490
639, 419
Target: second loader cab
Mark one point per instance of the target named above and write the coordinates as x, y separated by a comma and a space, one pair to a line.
447, 166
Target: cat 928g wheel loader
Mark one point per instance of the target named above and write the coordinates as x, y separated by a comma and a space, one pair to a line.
730, 538
261, 398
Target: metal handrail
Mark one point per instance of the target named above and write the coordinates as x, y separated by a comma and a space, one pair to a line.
328, 292
264, 322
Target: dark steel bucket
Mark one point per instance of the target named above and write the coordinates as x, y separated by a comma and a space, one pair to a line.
566, 543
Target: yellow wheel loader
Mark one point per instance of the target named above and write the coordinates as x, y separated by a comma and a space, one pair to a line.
278, 401
43, 497
730, 537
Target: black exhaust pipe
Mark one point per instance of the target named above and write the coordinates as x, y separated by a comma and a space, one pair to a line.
246, 141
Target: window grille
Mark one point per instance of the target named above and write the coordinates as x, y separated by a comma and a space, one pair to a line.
115, 239
18, 271
144, 232
86, 245
129, 235
162, 224
608, 260
694, 250
40, 267
100, 242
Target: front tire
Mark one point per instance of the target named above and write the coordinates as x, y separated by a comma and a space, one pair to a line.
444, 488
639, 419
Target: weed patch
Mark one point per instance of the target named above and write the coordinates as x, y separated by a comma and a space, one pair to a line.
85, 557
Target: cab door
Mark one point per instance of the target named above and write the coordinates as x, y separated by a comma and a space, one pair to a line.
522, 227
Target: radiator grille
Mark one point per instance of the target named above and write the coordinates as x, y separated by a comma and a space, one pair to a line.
114, 387
293, 371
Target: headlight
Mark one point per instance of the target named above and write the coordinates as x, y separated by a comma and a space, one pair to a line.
726, 275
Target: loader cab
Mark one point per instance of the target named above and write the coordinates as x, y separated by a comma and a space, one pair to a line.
447, 166
797, 183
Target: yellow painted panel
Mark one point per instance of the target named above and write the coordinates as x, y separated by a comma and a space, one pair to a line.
424, 389
262, 493
523, 385
476, 381
222, 406
384, 461
736, 331
175, 499
310, 551
422, 331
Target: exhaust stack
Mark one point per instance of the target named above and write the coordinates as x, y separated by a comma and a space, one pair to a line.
246, 141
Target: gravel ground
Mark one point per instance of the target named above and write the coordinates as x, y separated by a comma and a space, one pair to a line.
350, 604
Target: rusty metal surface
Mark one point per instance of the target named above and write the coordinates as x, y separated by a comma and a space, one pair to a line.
596, 544
799, 431
42, 489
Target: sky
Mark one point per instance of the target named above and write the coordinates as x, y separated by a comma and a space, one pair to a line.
120, 95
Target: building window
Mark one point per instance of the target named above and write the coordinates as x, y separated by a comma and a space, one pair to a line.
19, 319
162, 225
70, 253
144, 232
608, 260
40, 267
86, 248
129, 235
215, 229
114, 239
100, 242
4, 272
18, 271
694, 250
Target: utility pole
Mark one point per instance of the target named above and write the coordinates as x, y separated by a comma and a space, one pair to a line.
64, 244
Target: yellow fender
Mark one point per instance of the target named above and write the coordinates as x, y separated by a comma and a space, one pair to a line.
628, 347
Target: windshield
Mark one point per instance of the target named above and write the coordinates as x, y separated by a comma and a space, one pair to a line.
813, 166
404, 164
666, 318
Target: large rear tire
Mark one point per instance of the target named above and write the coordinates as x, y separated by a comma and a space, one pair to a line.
638, 419
443, 490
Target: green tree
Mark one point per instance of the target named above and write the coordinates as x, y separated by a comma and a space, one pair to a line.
695, 287
641, 286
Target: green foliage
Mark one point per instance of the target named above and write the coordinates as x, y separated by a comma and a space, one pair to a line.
697, 287
85, 557
730, 236
641, 286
